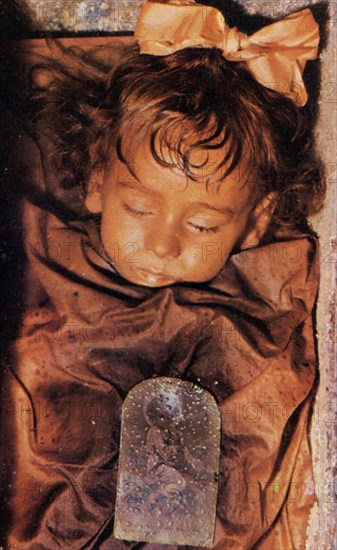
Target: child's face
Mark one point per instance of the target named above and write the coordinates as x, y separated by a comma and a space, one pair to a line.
160, 228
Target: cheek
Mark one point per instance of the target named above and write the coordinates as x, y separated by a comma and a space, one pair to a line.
204, 260
212, 259
124, 240
214, 252
122, 231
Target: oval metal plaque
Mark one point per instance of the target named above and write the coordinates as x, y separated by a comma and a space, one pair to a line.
168, 465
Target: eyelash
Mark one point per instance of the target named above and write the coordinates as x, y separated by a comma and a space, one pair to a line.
200, 228
206, 229
137, 213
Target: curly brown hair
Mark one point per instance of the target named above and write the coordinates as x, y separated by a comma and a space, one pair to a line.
191, 99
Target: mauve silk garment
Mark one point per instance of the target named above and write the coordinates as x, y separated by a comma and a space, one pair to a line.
88, 337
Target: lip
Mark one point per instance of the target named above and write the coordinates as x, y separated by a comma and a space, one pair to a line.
154, 277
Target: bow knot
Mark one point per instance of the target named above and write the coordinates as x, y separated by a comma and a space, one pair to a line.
234, 41
275, 55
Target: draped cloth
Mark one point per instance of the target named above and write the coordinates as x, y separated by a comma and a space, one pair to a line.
88, 337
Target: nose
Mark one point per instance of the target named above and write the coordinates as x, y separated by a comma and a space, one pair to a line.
164, 242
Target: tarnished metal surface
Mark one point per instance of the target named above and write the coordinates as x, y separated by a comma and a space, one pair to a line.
169, 461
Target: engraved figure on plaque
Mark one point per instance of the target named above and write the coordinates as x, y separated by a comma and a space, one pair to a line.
169, 461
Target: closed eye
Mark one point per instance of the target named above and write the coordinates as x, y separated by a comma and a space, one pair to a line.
134, 212
203, 229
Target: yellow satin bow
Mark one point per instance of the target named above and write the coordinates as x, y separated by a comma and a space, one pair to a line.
275, 55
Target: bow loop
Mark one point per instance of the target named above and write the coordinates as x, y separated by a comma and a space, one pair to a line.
275, 55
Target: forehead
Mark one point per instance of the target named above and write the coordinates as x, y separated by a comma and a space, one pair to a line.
141, 171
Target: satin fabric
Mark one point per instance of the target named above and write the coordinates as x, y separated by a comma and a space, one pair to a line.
275, 55
88, 337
